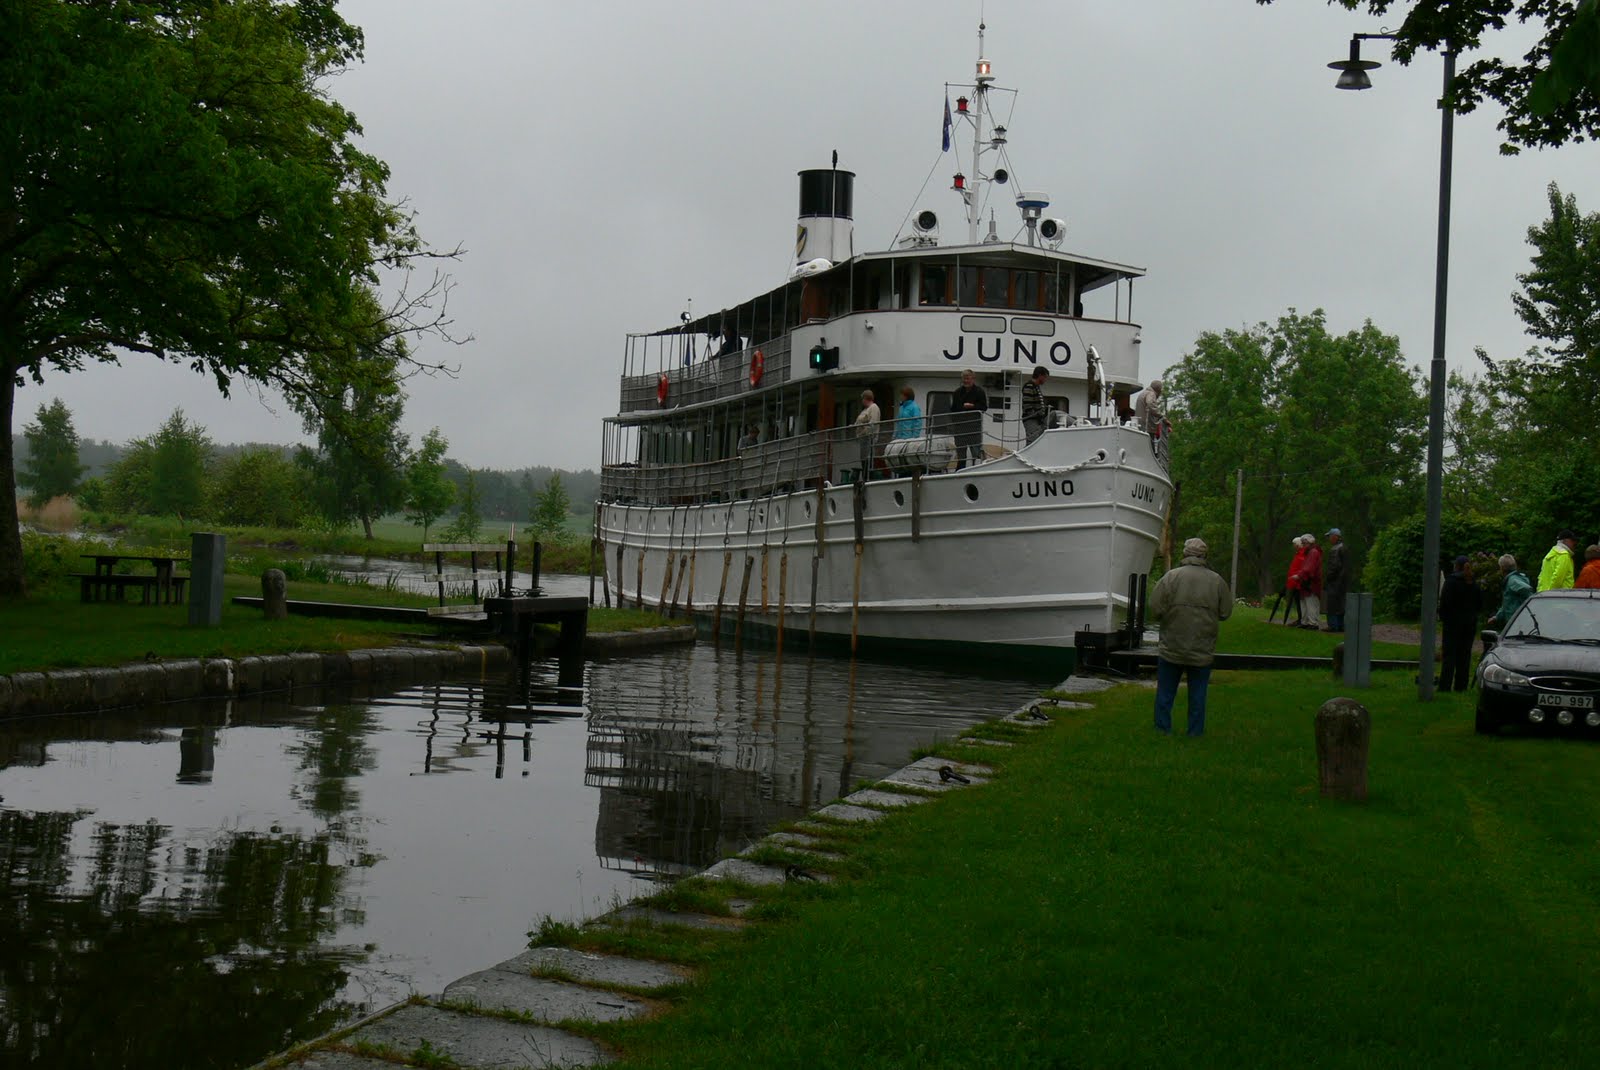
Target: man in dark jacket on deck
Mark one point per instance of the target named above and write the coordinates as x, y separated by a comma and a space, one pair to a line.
1190, 601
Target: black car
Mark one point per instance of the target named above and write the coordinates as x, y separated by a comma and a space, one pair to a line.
1544, 669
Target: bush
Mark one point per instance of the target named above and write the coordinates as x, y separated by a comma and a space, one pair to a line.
47, 559
1394, 568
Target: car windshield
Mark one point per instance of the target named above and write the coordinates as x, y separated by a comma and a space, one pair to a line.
1560, 620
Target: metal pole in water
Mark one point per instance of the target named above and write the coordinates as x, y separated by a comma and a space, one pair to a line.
783, 583
744, 596
722, 594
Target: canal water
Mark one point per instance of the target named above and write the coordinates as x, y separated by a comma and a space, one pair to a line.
202, 884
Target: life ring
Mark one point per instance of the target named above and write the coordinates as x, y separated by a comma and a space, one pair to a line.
661, 389
758, 364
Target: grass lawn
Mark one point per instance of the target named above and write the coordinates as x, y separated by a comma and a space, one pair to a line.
53, 630
1247, 631
1117, 898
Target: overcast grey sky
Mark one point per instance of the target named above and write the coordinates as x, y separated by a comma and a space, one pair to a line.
604, 162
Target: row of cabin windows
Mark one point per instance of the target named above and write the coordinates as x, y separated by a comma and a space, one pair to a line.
947, 284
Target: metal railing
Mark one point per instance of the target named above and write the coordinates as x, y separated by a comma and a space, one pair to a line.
707, 380
777, 466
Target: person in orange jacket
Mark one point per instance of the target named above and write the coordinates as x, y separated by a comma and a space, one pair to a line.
1590, 576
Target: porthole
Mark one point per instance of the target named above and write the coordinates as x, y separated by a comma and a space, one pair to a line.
777, 514
808, 510
972, 492
833, 507
899, 499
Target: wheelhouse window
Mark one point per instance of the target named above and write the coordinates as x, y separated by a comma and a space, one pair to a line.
997, 287
935, 280
967, 287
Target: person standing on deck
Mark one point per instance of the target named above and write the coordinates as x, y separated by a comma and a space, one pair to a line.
1035, 414
1147, 411
1190, 601
968, 403
866, 426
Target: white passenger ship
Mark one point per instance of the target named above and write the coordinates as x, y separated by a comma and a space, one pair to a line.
1013, 554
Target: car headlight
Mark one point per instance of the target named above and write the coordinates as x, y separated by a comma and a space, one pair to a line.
1500, 676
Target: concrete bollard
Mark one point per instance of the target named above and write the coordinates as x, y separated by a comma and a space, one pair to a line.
275, 594
1344, 728
1338, 661
207, 554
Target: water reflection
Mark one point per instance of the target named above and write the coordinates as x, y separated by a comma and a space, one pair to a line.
282, 866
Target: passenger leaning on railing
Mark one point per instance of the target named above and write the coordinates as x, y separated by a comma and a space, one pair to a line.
867, 432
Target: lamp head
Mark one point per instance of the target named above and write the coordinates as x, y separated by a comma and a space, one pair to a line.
1353, 71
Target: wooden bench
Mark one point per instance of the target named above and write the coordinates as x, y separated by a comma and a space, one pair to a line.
98, 587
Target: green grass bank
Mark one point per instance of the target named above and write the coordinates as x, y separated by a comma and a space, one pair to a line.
1117, 898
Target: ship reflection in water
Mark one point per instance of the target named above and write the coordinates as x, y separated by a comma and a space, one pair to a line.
282, 866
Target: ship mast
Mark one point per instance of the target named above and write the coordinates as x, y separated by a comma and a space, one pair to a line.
980, 102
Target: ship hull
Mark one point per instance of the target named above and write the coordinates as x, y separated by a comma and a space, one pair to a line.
1012, 557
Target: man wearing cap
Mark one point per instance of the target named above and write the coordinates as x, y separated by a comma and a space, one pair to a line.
1335, 579
1311, 584
1557, 571
1460, 606
1189, 602
1035, 413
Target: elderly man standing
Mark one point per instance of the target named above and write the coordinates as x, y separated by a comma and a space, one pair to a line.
866, 426
1190, 601
1147, 410
1335, 579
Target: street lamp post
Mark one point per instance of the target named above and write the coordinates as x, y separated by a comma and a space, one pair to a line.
1353, 75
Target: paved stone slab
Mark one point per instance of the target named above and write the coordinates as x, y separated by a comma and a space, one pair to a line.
796, 841
889, 800
603, 969
340, 1060
652, 916
546, 1000
739, 869
480, 1042
979, 741
924, 774
1082, 685
846, 812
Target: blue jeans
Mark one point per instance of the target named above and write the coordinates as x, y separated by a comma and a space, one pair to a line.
1167, 676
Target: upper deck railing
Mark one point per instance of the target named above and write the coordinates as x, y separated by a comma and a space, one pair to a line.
708, 380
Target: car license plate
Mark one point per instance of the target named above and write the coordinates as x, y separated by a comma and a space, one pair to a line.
1577, 702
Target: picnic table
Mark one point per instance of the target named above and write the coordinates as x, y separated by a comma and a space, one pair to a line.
105, 583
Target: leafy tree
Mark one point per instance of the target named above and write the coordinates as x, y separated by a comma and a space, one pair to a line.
1551, 97
52, 467
468, 524
551, 507
1328, 431
358, 470
164, 474
179, 183
258, 486
1394, 568
1536, 407
428, 491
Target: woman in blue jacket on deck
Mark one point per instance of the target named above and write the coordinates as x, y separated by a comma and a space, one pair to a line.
908, 421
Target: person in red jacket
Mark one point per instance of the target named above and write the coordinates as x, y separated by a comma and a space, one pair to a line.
1291, 584
1311, 584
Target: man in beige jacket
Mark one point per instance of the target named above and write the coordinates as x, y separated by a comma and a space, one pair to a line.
1190, 601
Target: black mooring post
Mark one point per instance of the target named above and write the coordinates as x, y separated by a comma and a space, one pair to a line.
538, 552
1144, 603
511, 569
1133, 609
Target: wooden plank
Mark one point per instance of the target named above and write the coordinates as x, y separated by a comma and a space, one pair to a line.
456, 611
463, 547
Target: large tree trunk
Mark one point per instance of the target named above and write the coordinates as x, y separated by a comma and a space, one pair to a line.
11, 578
366, 524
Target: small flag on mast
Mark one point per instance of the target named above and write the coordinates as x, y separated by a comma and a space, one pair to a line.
946, 123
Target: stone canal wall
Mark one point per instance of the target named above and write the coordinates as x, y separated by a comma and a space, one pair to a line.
30, 694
